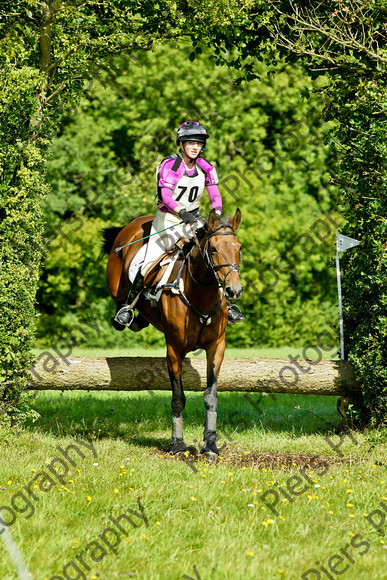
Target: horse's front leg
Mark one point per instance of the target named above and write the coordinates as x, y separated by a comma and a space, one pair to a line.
174, 361
215, 356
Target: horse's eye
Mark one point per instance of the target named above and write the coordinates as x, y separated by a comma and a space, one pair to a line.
213, 250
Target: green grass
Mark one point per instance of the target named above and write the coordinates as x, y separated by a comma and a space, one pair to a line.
208, 516
231, 352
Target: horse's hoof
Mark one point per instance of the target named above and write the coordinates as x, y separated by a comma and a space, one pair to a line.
210, 456
210, 446
178, 446
181, 455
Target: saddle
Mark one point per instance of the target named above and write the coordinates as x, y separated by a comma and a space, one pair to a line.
182, 247
156, 272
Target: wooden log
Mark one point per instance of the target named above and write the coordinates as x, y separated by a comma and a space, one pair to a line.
150, 373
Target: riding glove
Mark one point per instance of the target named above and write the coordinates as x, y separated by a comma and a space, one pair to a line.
186, 216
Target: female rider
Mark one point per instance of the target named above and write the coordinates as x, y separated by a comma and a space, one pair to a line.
181, 182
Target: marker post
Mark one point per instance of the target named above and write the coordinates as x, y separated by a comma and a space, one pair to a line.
342, 243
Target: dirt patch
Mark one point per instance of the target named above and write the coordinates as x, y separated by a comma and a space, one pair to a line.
267, 460
282, 460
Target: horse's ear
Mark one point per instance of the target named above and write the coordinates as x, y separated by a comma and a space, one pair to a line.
213, 220
236, 220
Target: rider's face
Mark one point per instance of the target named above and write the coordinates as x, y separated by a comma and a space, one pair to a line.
192, 148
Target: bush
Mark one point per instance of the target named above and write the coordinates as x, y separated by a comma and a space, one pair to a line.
21, 226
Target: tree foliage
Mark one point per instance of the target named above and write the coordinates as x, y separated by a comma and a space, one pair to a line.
21, 192
46, 51
349, 40
269, 149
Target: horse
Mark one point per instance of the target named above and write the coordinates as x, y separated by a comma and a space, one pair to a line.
192, 312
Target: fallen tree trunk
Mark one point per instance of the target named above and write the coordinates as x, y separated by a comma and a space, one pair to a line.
149, 373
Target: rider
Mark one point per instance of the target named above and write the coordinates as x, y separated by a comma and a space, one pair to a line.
181, 182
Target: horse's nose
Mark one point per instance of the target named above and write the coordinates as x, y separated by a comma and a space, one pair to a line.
233, 293
229, 292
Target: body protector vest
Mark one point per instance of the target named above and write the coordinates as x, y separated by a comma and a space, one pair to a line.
175, 167
188, 190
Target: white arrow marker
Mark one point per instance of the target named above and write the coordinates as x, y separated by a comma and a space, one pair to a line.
345, 243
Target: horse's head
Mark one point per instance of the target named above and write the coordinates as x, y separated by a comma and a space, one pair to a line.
223, 252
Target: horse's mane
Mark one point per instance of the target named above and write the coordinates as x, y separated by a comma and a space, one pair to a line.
225, 220
202, 232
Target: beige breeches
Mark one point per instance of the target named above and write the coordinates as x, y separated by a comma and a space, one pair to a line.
162, 242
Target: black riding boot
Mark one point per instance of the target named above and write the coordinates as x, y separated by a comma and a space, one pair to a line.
126, 314
234, 314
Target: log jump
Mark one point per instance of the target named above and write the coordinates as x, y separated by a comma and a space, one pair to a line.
306, 377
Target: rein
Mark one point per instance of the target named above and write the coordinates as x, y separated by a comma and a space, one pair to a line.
118, 250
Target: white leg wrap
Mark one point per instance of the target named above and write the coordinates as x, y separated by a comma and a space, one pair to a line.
210, 422
177, 427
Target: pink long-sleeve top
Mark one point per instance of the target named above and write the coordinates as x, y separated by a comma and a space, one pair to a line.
168, 179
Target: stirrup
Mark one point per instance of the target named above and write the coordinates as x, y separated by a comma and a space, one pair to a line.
125, 320
234, 314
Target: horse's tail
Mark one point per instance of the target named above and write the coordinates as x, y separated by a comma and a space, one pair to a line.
108, 237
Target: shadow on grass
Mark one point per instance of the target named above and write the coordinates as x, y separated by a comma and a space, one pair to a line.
137, 417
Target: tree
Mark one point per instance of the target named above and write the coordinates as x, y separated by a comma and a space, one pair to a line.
268, 145
348, 39
44, 52
47, 48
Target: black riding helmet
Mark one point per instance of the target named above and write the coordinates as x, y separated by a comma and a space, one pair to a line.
191, 131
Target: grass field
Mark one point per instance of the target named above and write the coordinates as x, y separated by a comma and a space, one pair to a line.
263, 351
198, 520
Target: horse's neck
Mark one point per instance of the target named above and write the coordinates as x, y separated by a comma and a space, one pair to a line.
201, 273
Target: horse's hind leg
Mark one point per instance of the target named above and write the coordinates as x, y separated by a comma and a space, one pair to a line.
214, 360
174, 361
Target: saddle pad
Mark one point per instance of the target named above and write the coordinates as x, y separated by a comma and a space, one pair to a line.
139, 259
154, 293
168, 271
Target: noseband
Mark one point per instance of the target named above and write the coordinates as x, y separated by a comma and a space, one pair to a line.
209, 259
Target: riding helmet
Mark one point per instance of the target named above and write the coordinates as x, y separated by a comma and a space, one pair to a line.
191, 131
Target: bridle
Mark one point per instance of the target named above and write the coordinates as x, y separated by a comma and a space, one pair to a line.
209, 259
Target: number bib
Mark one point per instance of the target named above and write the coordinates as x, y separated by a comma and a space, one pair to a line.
188, 191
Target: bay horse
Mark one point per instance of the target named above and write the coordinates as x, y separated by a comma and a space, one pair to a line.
192, 316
